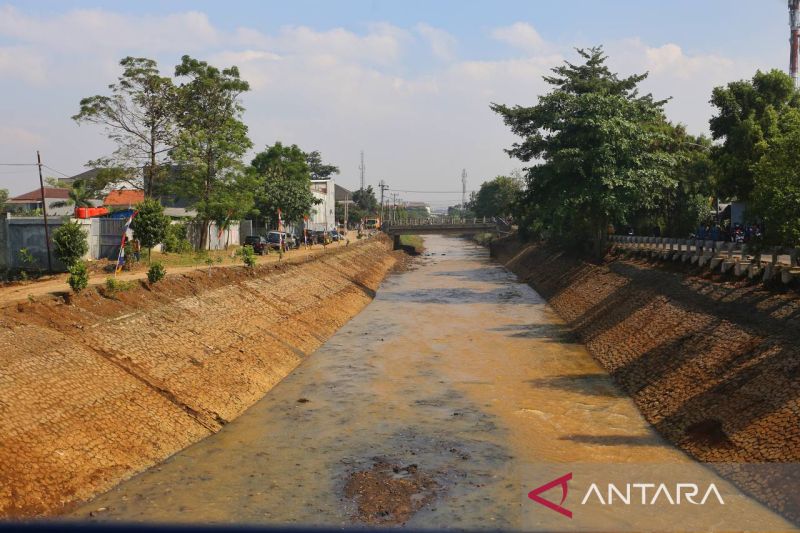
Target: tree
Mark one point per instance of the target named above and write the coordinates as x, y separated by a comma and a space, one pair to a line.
318, 169
497, 197
79, 196
776, 194
70, 243
3, 200
150, 224
681, 208
284, 182
748, 117
211, 141
139, 117
366, 201
593, 143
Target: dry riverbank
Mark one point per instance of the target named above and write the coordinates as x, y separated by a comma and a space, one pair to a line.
713, 365
97, 390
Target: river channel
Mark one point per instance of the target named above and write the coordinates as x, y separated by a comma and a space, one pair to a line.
456, 378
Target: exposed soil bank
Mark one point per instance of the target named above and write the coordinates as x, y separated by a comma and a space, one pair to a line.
713, 366
95, 391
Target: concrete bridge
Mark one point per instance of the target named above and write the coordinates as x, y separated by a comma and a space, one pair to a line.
443, 226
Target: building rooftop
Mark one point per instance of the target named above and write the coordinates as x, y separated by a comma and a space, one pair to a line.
124, 198
52, 193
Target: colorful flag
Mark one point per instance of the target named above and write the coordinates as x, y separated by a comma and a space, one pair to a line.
121, 257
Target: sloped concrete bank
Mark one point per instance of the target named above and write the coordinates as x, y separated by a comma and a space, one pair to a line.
97, 390
714, 366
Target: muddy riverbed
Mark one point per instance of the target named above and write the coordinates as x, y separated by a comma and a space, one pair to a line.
425, 410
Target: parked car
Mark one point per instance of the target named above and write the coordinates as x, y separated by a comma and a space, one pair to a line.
258, 243
274, 239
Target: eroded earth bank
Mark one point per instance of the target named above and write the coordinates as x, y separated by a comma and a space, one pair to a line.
95, 391
427, 409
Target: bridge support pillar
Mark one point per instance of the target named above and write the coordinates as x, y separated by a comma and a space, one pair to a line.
397, 242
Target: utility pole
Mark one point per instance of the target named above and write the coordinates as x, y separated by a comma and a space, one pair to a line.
363, 170
44, 212
463, 190
794, 40
383, 187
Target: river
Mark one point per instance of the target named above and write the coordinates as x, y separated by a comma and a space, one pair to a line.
444, 390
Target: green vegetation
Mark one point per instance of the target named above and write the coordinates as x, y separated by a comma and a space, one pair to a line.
210, 143
139, 117
114, 286
175, 239
775, 198
603, 156
248, 256
283, 179
28, 262
156, 273
78, 276
70, 243
3, 199
497, 197
150, 224
413, 241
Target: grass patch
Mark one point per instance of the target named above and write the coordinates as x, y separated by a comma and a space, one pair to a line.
414, 242
193, 258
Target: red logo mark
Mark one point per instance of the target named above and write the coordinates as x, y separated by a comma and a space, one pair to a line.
534, 495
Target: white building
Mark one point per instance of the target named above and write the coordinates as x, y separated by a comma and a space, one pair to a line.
323, 215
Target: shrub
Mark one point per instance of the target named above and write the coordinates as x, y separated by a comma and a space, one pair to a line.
70, 243
175, 240
156, 273
248, 255
114, 285
78, 276
28, 262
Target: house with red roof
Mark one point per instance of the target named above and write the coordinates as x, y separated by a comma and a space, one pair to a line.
56, 198
123, 199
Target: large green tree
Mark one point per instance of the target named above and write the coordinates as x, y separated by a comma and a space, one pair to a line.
211, 141
747, 118
776, 195
682, 207
365, 200
138, 116
591, 141
284, 182
497, 197
3, 199
318, 169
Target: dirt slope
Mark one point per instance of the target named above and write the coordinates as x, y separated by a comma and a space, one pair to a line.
97, 390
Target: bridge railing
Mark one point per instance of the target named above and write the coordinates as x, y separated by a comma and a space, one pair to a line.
740, 258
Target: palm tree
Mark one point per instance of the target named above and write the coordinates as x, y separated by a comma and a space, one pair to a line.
79, 196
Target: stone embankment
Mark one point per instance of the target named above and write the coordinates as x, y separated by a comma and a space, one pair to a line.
100, 388
712, 363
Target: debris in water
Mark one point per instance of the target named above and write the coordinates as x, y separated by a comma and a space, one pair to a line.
389, 493
303, 400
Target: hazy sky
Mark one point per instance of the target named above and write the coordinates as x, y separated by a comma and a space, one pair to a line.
409, 82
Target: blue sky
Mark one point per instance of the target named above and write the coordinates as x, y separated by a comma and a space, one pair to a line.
409, 82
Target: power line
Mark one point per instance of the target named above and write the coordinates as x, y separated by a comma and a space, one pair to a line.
430, 192
57, 171
18, 165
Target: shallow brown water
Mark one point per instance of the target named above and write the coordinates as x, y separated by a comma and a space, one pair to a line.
454, 367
